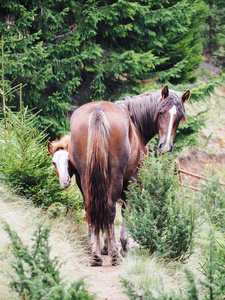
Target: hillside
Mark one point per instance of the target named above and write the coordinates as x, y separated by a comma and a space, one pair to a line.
210, 153
69, 242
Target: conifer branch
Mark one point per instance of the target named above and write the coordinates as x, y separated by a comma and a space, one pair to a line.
74, 28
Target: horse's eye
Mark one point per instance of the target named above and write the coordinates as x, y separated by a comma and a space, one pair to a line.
161, 113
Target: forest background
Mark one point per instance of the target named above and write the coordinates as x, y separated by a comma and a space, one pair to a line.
67, 53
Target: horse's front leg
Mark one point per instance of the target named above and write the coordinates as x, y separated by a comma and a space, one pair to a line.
123, 237
96, 259
104, 250
124, 234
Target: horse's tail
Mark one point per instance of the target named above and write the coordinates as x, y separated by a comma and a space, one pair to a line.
97, 173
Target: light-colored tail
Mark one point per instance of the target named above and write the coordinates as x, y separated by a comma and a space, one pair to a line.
97, 171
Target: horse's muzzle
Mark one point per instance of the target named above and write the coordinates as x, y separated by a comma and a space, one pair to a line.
65, 183
164, 148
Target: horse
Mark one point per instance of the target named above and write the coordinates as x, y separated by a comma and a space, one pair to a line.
106, 145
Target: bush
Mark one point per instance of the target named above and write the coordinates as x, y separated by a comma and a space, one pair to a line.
145, 277
25, 164
214, 268
213, 199
37, 276
161, 218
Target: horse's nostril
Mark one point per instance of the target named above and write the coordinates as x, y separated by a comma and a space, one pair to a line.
160, 147
171, 149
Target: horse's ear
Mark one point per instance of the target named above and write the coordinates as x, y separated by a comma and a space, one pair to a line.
185, 97
165, 92
50, 148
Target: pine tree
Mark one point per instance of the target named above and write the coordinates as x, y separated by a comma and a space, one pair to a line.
71, 52
214, 37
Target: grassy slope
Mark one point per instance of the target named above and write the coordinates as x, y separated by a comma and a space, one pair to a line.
211, 148
65, 238
68, 242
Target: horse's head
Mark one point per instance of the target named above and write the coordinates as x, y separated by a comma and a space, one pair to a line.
60, 159
170, 111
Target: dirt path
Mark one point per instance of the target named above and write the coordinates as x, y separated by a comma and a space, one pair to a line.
104, 281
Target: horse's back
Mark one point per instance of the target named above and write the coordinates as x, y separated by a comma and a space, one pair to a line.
118, 120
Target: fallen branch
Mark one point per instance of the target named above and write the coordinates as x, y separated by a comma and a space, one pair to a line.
196, 176
191, 174
192, 187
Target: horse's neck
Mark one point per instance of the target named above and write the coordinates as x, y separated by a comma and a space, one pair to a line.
144, 119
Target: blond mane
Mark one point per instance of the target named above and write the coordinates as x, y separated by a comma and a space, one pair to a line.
62, 143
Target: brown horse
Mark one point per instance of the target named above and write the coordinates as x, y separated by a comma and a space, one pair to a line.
106, 145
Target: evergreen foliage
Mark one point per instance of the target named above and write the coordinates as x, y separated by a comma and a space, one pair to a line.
213, 33
214, 268
187, 134
144, 278
73, 52
25, 164
37, 275
212, 199
160, 218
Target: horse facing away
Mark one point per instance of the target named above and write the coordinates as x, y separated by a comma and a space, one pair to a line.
106, 146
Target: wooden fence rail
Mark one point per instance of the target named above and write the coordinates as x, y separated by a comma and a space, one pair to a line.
196, 176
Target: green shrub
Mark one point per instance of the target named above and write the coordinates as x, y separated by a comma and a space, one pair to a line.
37, 275
212, 197
25, 164
213, 268
161, 217
148, 278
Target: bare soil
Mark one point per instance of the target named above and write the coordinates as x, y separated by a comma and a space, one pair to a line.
104, 281
210, 155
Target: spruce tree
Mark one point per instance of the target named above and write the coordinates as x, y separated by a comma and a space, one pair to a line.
213, 33
71, 52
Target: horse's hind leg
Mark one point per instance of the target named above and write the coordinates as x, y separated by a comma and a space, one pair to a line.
112, 247
96, 259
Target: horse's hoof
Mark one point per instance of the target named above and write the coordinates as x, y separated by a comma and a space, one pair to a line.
96, 261
104, 251
124, 252
115, 261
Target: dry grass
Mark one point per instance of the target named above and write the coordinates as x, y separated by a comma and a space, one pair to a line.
65, 238
147, 273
